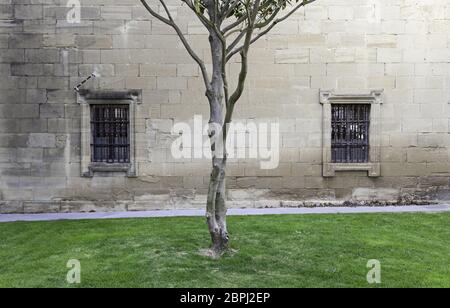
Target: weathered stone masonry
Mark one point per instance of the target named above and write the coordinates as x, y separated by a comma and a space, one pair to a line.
346, 46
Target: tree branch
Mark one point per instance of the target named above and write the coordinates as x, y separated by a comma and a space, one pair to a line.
177, 29
272, 25
244, 53
234, 24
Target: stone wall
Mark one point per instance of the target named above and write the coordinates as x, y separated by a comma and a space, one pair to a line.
401, 46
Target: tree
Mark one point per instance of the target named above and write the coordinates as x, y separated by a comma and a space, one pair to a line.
233, 26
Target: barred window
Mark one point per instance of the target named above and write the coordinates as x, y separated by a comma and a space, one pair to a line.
110, 127
350, 133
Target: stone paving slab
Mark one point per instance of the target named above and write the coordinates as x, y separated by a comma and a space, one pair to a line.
233, 212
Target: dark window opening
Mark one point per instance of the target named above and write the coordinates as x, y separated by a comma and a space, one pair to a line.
110, 127
350, 133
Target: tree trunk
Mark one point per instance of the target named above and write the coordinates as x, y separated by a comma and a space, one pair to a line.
216, 204
216, 210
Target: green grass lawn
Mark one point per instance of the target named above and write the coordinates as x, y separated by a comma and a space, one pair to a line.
273, 251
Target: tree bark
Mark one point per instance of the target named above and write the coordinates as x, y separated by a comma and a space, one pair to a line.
216, 210
216, 202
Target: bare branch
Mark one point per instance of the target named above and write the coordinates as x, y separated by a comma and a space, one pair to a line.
207, 23
236, 41
235, 24
177, 29
151, 11
227, 7
269, 28
244, 53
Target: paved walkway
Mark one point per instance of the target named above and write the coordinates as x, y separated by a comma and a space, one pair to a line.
235, 212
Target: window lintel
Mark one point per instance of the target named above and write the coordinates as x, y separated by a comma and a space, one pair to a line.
335, 97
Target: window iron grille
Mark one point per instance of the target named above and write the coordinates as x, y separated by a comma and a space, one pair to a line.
110, 128
350, 133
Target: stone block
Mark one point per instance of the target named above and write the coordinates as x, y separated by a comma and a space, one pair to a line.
101, 70
393, 27
241, 204
148, 206
61, 12
17, 194
388, 55
400, 69
4, 41
443, 194
340, 12
187, 70
369, 194
19, 111
438, 55
29, 155
6, 11
34, 207
116, 12
42, 56
435, 181
11, 207
12, 55
41, 140
245, 194
53, 83
28, 12
382, 41
85, 27
13, 140
8, 155
127, 70
94, 41
131, 41
54, 155
411, 125
61, 96
145, 83
171, 83
109, 27
313, 12
26, 40
290, 56
9, 126
93, 206
51, 111
130, 56
158, 70
36, 96
10, 26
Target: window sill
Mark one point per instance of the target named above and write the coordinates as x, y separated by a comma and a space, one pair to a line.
373, 169
106, 167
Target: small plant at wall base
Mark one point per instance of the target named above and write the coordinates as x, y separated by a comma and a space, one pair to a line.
233, 26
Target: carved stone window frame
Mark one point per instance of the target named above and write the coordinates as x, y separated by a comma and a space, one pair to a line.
85, 99
375, 99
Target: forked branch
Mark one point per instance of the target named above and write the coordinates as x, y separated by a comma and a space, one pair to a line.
270, 27
169, 21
